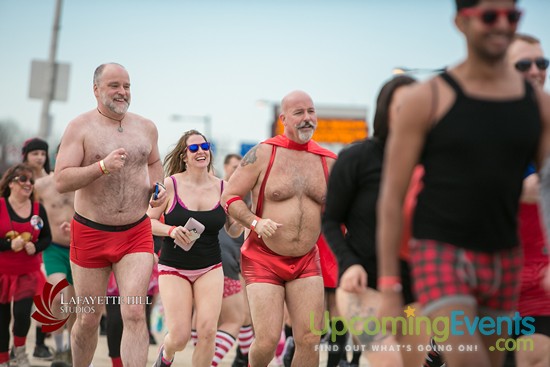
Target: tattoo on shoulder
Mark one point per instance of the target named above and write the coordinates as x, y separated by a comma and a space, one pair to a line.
250, 157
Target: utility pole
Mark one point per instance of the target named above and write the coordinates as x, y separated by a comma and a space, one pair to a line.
45, 121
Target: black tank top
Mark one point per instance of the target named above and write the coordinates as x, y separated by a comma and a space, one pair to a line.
206, 250
474, 160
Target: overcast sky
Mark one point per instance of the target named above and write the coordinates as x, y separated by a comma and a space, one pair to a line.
220, 57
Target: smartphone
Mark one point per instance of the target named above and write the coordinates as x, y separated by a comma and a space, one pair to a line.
195, 229
156, 194
193, 234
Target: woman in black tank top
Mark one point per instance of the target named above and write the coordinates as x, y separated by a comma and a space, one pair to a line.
190, 272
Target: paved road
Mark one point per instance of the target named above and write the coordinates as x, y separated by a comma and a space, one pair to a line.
101, 357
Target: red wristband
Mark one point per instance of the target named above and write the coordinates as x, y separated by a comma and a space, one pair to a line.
170, 230
229, 202
388, 281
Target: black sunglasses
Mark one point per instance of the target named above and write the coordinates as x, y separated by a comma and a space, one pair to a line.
193, 148
23, 178
525, 64
490, 16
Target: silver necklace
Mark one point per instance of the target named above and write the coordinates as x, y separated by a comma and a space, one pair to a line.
120, 128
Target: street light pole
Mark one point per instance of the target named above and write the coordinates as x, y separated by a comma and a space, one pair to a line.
404, 70
45, 121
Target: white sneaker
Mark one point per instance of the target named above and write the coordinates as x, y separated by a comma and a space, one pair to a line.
21, 357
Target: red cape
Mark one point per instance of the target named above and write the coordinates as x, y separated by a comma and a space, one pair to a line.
311, 146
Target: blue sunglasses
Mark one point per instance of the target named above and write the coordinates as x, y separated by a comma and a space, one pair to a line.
194, 148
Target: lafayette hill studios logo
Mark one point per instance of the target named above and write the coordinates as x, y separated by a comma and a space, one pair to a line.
43, 303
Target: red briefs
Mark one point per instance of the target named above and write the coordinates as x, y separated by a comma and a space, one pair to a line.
261, 265
95, 245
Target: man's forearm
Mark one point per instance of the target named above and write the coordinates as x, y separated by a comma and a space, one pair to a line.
74, 178
239, 211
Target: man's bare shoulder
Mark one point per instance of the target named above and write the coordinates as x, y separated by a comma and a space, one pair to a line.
256, 156
144, 123
422, 91
80, 125
83, 119
148, 123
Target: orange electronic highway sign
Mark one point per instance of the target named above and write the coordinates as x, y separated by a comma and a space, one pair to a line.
335, 130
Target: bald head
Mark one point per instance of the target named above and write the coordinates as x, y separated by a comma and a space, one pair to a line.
293, 97
99, 70
298, 116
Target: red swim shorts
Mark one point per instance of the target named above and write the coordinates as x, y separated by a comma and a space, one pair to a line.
261, 265
95, 245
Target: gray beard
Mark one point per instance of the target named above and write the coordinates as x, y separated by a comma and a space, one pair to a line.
117, 110
305, 136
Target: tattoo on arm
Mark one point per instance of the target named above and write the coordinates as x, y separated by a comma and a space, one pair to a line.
250, 157
354, 306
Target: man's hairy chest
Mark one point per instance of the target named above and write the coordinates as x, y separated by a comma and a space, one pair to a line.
302, 178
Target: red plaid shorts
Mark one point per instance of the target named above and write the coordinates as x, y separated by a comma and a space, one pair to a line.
442, 271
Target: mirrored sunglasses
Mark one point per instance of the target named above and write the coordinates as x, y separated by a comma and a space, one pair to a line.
193, 148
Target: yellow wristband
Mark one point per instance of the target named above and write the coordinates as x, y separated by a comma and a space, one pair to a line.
103, 168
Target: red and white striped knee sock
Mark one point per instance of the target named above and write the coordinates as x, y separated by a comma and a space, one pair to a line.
246, 336
194, 337
224, 343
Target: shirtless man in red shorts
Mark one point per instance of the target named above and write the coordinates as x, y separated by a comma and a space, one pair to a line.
110, 158
280, 259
